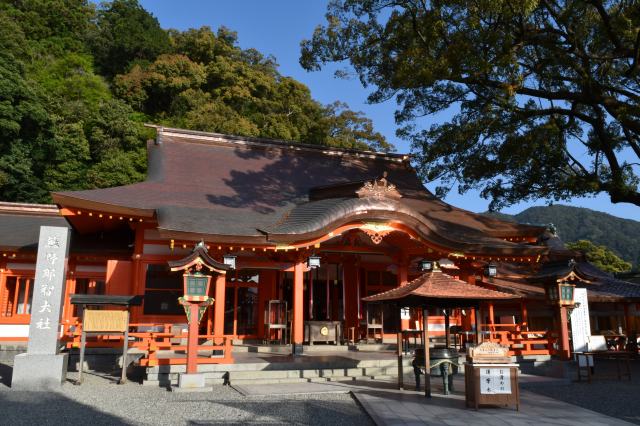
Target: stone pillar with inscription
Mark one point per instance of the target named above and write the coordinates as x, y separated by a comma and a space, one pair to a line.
42, 367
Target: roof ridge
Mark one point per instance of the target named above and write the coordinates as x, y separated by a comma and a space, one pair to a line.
261, 141
29, 208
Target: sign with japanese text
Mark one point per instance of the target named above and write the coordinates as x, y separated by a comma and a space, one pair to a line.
580, 324
48, 290
495, 380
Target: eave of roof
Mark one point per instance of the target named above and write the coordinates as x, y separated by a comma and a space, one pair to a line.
437, 286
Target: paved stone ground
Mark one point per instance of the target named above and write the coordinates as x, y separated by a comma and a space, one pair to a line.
605, 394
99, 401
388, 406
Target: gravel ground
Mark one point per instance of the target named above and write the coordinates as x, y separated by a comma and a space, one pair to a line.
608, 396
99, 401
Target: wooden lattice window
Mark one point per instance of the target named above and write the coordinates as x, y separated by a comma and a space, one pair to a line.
17, 296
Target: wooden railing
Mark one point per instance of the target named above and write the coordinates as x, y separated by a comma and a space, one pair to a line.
160, 346
522, 342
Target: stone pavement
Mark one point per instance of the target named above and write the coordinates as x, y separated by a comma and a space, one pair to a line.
388, 406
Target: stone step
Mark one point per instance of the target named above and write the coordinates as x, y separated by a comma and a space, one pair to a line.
294, 365
286, 349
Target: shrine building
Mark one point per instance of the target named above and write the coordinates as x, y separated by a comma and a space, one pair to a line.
309, 231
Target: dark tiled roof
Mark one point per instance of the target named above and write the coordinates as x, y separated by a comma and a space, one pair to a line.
437, 287
230, 187
20, 230
601, 286
20, 224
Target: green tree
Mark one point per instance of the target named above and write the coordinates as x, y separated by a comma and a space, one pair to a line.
125, 33
545, 95
209, 83
600, 256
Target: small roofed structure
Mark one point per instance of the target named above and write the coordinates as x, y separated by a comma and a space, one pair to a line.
436, 289
439, 290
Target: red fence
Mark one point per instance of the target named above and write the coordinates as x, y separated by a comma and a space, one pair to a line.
160, 345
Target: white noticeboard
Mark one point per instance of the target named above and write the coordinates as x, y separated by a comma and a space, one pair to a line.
495, 380
580, 324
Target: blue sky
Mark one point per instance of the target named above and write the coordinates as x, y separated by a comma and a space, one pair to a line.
277, 27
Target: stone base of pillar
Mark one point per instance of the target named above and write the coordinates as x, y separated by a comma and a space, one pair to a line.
191, 383
39, 372
296, 349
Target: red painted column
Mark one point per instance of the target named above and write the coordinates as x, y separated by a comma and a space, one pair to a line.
565, 349
298, 308
403, 279
525, 315
266, 292
218, 307
627, 320
492, 320
192, 340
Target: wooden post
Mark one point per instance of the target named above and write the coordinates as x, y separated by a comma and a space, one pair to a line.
447, 335
400, 366
298, 306
425, 345
476, 314
192, 340
403, 278
525, 315
627, 321
218, 307
565, 350
491, 317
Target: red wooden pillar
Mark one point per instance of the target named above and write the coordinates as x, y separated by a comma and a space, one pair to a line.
492, 320
628, 324
137, 272
351, 294
218, 307
4, 296
298, 308
565, 349
192, 340
525, 315
266, 292
403, 279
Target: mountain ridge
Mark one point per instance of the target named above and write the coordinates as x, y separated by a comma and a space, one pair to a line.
580, 223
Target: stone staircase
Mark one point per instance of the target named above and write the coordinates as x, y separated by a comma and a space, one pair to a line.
344, 369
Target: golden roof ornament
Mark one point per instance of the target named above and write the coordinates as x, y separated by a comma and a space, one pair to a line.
379, 188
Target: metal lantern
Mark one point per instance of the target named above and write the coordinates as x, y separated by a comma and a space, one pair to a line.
561, 293
196, 283
313, 262
426, 265
229, 260
491, 270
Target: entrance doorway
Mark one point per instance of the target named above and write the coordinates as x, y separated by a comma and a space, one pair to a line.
241, 304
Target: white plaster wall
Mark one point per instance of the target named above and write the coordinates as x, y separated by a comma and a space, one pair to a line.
14, 330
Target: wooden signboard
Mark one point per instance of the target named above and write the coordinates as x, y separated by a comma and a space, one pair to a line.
491, 384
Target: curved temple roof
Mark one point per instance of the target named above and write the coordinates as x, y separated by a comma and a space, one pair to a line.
246, 190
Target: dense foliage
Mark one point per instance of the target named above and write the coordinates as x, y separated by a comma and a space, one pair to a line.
544, 95
600, 256
78, 80
574, 224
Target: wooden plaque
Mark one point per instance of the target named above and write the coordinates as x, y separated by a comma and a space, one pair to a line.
105, 321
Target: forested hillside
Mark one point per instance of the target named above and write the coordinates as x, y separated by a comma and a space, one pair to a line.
78, 80
576, 223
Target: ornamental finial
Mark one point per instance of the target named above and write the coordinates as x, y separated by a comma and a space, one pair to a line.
379, 188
